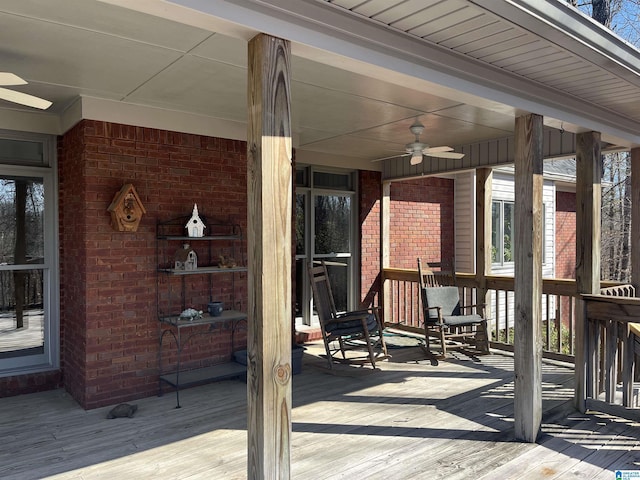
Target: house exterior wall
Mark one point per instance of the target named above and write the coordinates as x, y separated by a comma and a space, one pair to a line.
465, 222
560, 225
565, 238
108, 278
72, 245
503, 189
108, 302
422, 221
37, 382
370, 191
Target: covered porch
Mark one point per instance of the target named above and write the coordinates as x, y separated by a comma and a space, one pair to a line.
409, 419
339, 84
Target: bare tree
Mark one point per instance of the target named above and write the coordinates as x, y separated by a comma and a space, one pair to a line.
616, 218
621, 16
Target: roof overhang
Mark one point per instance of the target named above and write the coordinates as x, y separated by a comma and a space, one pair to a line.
362, 71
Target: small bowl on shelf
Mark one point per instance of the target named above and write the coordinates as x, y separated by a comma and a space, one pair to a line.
215, 309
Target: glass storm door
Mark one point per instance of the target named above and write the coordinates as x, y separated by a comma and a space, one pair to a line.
332, 243
325, 226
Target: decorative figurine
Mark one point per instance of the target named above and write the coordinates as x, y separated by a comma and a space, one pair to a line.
195, 226
226, 262
191, 314
126, 209
122, 410
185, 258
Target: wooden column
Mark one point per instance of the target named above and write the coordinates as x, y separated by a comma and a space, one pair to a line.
385, 248
635, 219
484, 181
528, 277
588, 207
269, 190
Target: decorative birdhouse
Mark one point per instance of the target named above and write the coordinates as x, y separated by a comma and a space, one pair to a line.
126, 209
185, 258
195, 227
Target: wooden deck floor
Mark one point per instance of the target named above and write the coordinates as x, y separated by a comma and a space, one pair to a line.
411, 419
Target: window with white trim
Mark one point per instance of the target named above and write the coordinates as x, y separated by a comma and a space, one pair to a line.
502, 232
29, 325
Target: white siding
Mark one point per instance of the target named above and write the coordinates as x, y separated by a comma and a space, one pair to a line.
504, 189
465, 221
549, 199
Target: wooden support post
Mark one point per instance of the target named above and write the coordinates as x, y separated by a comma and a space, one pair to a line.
269, 190
385, 248
629, 352
527, 343
628, 367
611, 361
635, 218
588, 205
484, 180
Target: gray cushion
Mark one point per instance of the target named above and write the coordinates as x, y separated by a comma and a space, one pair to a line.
351, 327
461, 320
447, 298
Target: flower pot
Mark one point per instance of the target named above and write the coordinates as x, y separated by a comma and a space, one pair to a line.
215, 308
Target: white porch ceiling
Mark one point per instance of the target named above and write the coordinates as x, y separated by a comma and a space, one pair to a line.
192, 64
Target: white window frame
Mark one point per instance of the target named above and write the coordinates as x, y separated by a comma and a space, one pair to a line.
310, 190
500, 253
49, 359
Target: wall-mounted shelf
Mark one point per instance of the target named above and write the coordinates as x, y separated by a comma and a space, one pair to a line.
173, 297
202, 270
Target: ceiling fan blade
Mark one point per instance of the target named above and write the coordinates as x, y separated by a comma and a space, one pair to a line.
24, 99
388, 158
454, 155
7, 78
416, 159
437, 149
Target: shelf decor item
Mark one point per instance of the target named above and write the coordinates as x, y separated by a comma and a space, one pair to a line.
191, 314
185, 258
215, 309
126, 209
226, 262
195, 226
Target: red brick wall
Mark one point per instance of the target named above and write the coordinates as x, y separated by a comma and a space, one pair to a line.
565, 235
38, 382
422, 223
110, 327
72, 251
370, 190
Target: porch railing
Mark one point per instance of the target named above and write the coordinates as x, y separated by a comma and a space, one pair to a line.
558, 304
612, 346
612, 325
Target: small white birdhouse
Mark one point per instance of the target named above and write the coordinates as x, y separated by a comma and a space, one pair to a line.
185, 258
195, 226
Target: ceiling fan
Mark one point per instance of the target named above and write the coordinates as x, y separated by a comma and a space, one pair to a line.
7, 79
417, 149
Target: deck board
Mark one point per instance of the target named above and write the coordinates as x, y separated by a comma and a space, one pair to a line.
409, 419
